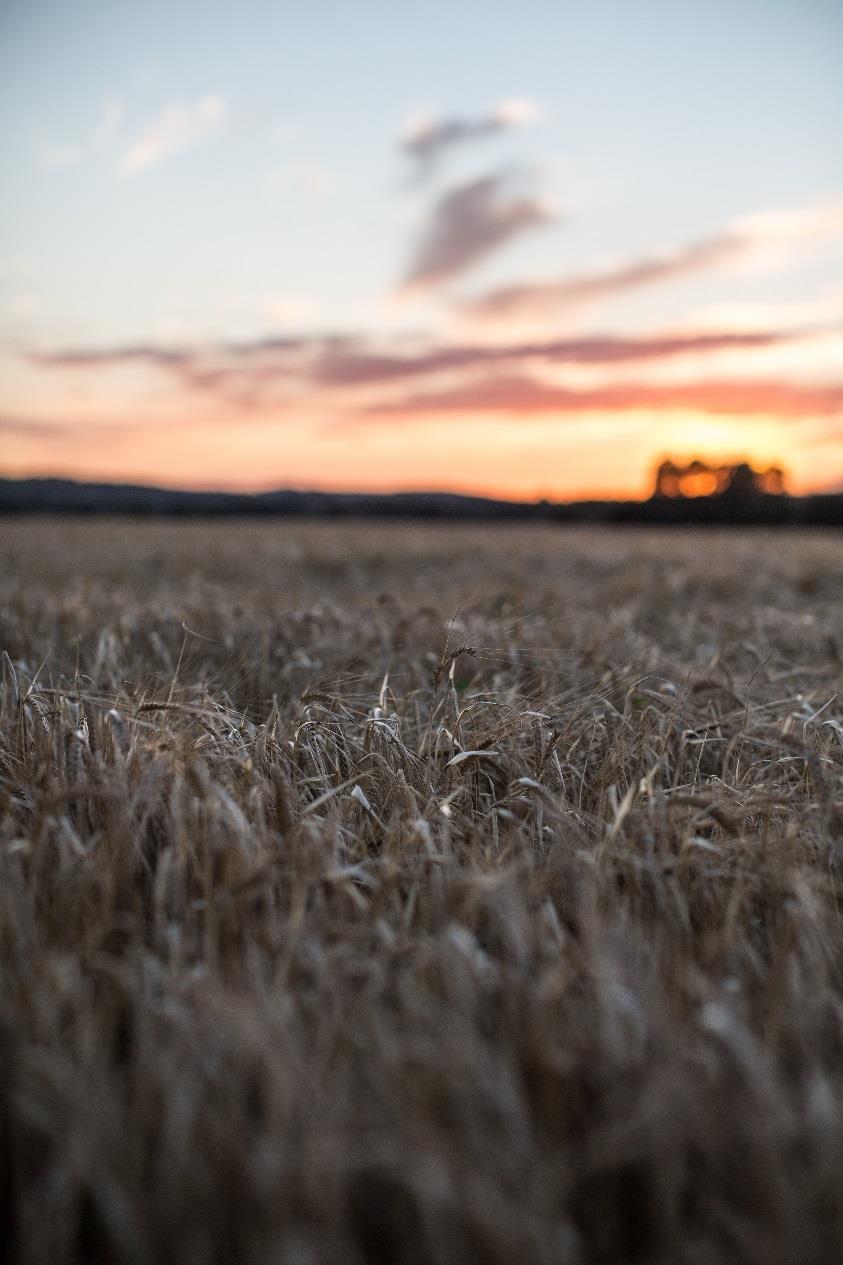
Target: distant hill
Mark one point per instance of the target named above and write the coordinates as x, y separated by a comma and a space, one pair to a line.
65, 496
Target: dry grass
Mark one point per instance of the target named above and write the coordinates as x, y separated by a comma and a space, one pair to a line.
324, 945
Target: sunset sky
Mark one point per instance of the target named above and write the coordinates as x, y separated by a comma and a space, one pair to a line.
524, 249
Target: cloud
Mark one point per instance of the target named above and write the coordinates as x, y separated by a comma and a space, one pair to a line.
468, 223
233, 373
348, 365
773, 232
357, 380
546, 298
176, 129
104, 358
530, 397
425, 138
343, 361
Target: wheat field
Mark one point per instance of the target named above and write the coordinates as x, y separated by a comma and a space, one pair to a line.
416, 894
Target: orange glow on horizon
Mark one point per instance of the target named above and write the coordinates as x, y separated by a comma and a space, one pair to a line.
326, 440
558, 477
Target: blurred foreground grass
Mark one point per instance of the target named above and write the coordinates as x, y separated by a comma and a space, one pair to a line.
376, 893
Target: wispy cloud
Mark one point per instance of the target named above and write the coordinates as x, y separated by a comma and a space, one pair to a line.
347, 360
103, 358
353, 371
346, 363
526, 396
426, 138
468, 223
775, 233
546, 298
176, 129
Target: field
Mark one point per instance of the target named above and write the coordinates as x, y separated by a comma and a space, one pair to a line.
420, 894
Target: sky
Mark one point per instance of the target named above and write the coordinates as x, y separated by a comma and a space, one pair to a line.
524, 250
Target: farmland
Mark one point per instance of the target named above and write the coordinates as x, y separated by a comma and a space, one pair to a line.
420, 893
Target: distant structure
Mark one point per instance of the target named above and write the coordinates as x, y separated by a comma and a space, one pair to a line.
738, 481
